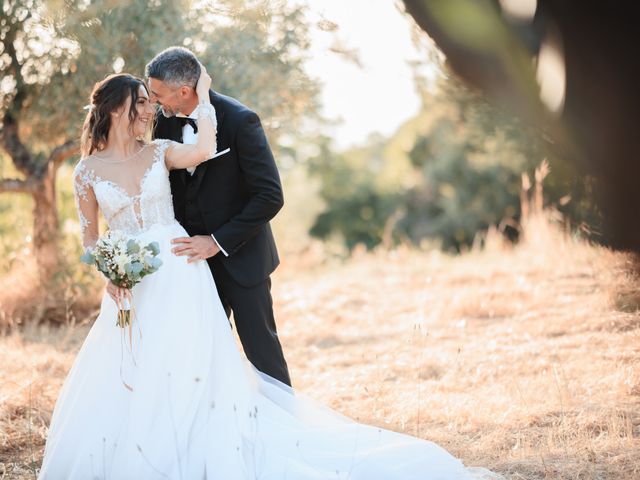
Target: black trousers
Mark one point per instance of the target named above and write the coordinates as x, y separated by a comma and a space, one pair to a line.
253, 315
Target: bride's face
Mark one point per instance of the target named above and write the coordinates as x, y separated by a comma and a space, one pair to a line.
144, 114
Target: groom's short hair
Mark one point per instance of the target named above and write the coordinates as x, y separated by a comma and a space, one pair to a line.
176, 66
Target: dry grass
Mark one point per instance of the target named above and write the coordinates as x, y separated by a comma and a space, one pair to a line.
522, 360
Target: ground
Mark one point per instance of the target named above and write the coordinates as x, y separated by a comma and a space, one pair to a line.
524, 360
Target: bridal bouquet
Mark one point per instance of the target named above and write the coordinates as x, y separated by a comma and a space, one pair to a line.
124, 261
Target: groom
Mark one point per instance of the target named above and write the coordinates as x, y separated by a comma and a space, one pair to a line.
226, 203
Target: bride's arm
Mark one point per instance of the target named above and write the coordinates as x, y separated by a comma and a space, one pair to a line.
182, 156
87, 205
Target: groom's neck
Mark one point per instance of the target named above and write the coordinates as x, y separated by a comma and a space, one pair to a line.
190, 105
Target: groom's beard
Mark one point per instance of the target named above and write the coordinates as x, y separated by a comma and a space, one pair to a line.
168, 112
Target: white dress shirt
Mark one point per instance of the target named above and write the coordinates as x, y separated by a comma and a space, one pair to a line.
189, 137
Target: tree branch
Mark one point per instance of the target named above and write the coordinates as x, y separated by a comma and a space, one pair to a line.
15, 185
63, 152
10, 141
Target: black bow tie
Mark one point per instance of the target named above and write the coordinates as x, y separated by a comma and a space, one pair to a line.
190, 121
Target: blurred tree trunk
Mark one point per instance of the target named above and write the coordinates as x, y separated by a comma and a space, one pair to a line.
39, 182
45, 214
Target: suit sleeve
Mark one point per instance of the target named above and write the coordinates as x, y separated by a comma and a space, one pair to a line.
261, 174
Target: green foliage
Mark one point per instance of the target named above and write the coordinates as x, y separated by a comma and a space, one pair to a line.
357, 209
469, 157
461, 175
257, 52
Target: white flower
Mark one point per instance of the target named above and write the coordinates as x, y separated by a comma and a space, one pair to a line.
120, 259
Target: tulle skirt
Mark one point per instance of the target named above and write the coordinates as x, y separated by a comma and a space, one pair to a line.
177, 400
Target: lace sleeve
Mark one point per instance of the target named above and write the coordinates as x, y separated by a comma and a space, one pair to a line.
162, 146
86, 204
206, 110
190, 155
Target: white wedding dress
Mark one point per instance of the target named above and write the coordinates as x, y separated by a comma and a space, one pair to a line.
197, 409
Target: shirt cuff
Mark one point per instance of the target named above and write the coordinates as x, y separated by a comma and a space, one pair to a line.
219, 246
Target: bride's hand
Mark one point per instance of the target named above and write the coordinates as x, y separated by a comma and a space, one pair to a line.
204, 83
116, 293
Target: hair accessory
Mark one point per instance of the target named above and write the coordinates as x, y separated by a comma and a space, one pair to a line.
91, 106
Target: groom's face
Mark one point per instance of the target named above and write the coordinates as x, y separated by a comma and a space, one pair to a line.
171, 99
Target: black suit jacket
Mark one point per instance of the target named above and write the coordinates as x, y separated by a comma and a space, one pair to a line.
237, 193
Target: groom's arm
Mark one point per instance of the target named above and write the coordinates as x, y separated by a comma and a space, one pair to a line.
261, 175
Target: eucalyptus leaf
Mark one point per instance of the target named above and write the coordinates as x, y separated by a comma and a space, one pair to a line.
102, 266
154, 247
136, 267
88, 258
132, 247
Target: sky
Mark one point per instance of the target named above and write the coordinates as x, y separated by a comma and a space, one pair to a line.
378, 95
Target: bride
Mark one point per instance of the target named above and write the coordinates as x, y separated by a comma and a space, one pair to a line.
179, 401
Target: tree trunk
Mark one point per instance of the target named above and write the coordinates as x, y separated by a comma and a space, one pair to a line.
46, 229
41, 185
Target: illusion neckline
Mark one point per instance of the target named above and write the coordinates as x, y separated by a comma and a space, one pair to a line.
123, 190
124, 160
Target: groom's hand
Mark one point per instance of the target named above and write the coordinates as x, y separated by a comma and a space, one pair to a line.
198, 247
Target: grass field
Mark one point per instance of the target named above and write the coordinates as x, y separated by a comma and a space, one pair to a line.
522, 360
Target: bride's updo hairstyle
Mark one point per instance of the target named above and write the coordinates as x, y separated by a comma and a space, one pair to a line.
108, 95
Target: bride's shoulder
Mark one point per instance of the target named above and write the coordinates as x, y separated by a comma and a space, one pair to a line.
161, 141
83, 167
84, 177
161, 145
